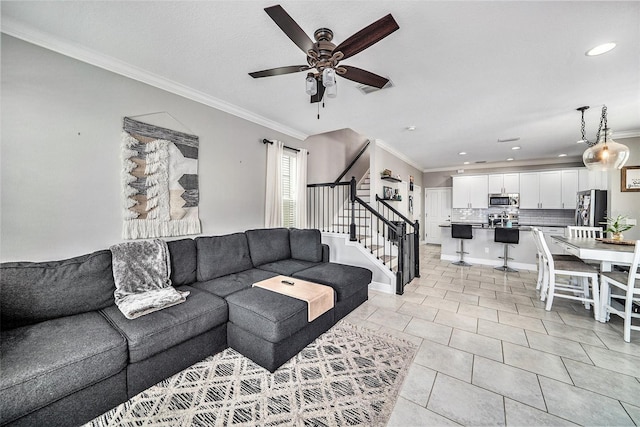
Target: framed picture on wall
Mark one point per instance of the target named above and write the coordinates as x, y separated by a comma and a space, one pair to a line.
387, 192
630, 178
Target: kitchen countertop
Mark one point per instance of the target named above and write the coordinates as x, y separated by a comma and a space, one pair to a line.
521, 227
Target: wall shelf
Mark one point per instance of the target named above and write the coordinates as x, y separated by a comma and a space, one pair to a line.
390, 178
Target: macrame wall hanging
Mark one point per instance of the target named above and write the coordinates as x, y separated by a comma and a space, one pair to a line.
159, 181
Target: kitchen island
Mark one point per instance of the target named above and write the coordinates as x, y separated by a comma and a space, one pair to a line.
483, 250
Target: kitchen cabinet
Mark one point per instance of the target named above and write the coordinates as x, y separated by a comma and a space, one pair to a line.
592, 180
504, 183
470, 192
541, 190
569, 188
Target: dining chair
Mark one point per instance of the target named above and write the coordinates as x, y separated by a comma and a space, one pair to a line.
543, 281
617, 285
585, 232
556, 269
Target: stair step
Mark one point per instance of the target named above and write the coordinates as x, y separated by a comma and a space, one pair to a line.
387, 258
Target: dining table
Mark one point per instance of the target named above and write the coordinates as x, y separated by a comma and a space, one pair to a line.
606, 252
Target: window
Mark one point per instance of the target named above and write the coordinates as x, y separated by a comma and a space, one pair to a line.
289, 189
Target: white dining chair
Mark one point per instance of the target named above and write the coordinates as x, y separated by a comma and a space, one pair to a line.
543, 274
625, 286
556, 269
585, 232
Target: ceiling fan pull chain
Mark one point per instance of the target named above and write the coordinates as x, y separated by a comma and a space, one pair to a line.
318, 105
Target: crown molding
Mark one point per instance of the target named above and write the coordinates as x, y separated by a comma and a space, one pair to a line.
81, 53
626, 134
404, 158
503, 164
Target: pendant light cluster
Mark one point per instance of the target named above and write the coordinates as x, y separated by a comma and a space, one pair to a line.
604, 154
327, 78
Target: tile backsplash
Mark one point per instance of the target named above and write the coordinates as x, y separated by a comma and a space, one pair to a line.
559, 217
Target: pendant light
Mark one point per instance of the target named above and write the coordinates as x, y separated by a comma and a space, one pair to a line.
311, 84
605, 154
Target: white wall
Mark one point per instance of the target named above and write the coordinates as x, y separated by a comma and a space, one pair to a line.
627, 202
60, 155
332, 152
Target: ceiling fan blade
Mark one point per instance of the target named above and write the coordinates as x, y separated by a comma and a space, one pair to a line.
278, 71
318, 96
363, 76
367, 36
290, 27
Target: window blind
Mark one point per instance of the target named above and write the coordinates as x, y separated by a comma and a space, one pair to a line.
289, 186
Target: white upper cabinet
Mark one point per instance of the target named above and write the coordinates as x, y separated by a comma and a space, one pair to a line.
470, 192
541, 190
530, 190
504, 183
569, 188
592, 180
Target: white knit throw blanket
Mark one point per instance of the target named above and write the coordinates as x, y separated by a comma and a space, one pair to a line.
141, 271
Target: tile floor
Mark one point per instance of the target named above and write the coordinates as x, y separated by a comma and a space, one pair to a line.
491, 355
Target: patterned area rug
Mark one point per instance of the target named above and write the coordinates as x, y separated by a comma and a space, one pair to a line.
348, 376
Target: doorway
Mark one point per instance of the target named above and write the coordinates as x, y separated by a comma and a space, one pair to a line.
437, 211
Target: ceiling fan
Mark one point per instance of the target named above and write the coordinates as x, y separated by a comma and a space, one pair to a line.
324, 57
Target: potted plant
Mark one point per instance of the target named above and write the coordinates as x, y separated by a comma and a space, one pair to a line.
617, 226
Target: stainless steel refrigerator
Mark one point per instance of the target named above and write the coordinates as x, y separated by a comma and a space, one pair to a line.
591, 208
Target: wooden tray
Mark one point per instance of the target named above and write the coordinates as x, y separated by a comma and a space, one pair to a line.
618, 242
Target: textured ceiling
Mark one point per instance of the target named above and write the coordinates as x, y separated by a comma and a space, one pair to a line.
464, 73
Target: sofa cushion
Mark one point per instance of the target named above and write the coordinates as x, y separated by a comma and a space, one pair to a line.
346, 280
222, 255
287, 267
267, 314
268, 245
32, 292
227, 285
184, 261
44, 362
158, 331
306, 245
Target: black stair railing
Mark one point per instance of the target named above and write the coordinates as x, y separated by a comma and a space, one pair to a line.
410, 237
336, 208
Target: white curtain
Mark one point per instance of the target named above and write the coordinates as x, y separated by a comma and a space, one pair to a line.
273, 200
301, 191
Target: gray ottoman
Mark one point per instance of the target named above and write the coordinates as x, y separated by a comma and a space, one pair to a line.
350, 283
270, 328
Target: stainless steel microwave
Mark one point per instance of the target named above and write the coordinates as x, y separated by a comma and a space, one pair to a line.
511, 200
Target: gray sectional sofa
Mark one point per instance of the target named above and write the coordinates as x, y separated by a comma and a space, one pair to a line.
67, 354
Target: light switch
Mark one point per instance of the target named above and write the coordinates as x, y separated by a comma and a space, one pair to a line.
631, 221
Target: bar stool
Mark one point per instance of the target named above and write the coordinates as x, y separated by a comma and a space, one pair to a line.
508, 236
462, 232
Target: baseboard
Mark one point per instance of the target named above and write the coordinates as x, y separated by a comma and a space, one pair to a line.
493, 263
382, 287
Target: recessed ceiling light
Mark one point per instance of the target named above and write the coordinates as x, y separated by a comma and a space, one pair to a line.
466, 163
580, 141
462, 153
510, 159
515, 148
600, 49
562, 155
411, 128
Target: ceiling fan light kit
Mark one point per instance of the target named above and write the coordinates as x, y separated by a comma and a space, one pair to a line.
323, 56
604, 154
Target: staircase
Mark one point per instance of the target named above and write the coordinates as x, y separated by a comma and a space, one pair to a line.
381, 234
369, 235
